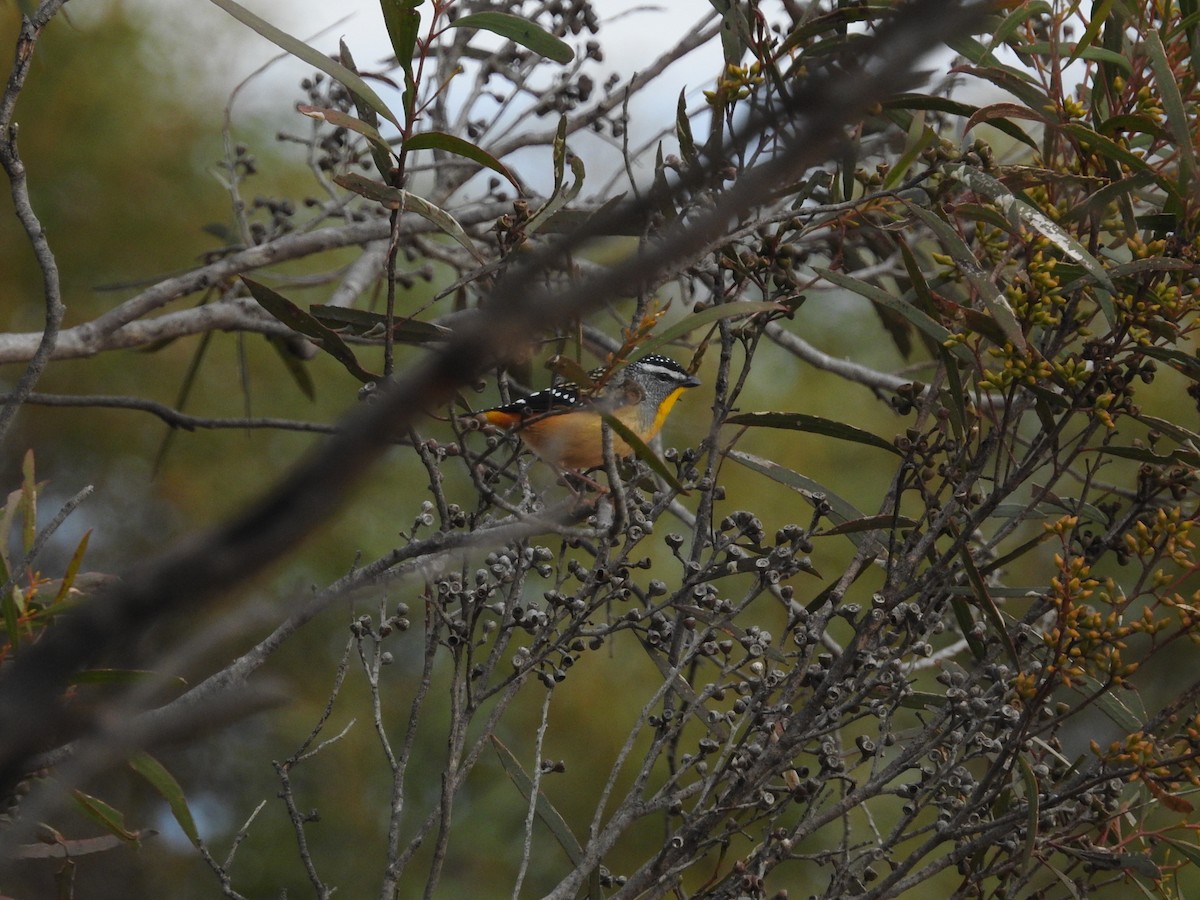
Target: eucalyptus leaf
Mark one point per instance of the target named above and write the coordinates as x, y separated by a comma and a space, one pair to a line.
310, 55
520, 31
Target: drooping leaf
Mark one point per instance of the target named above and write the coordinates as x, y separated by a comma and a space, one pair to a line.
868, 523
986, 604
1010, 24
313, 57
643, 451
964, 110
836, 21
559, 196
297, 319
1172, 101
1178, 432
168, 788
521, 31
1107, 148
29, 498
735, 30
1100, 11
1144, 454
812, 425
683, 131
12, 609
339, 119
549, 816
1033, 795
993, 298
403, 22
295, 366
1009, 80
934, 330
363, 323
919, 137
840, 511
1014, 205
396, 198
1094, 54
109, 818
76, 561
1185, 363
704, 317
1117, 711
439, 140
381, 155
117, 676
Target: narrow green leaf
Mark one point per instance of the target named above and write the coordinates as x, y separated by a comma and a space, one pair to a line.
559, 197
521, 31
12, 613
918, 138
118, 676
994, 113
868, 523
313, 57
6, 525
298, 320
396, 198
439, 140
1118, 712
1142, 454
812, 425
1100, 11
1110, 149
29, 495
1118, 192
1178, 432
735, 30
966, 111
1185, 363
1093, 54
704, 317
1172, 101
993, 298
68, 578
382, 156
877, 295
168, 788
339, 119
643, 451
660, 189
109, 818
403, 23
545, 810
840, 511
295, 366
362, 323
1010, 80
966, 625
1015, 19
985, 603
1033, 795
683, 131
1020, 206
1186, 850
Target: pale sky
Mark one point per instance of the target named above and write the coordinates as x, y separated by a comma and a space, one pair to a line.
228, 52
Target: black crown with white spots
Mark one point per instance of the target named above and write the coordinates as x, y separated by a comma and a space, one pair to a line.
656, 376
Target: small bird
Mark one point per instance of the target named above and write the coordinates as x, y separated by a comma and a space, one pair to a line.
563, 424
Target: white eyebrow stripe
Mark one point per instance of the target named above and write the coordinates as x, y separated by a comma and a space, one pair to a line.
655, 369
